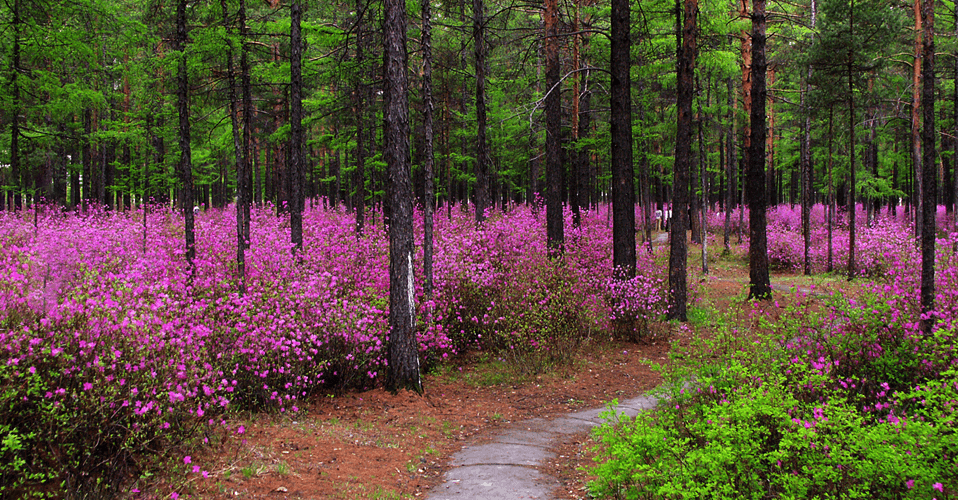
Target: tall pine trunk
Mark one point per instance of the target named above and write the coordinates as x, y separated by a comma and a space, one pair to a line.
759, 285
240, 153
360, 104
247, 181
678, 256
806, 162
852, 177
555, 234
916, 117
483, 161
623, 183
929, 172
428, 155
185, 165
297, 200
731, 181
15, 111
403, 345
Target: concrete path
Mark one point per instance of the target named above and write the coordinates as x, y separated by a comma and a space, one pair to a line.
505, 467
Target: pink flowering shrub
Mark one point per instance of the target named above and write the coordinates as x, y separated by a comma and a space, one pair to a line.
500, 292
878, 245
639, 302
113, 350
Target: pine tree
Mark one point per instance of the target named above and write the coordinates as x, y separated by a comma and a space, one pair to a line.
403, 345
623, 183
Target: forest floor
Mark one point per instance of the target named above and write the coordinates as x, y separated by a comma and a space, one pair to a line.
377, 445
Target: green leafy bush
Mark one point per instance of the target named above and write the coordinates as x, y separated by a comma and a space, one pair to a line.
801, 407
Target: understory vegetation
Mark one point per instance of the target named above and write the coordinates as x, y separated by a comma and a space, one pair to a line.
118, 361
816, 395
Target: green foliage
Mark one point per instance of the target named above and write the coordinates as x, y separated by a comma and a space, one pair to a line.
769, 410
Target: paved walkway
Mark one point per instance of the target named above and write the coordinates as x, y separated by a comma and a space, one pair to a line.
505, 468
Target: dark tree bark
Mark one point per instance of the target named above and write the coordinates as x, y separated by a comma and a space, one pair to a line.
297, 200
678, 256
403, 345
86, 152
805, 166
572, 159
185, 165
830, 265
759, 284
695, 161
623, 178
240, 152
360, 103
702, 168
483, 160
928, 167
806, 163
731, 181
428, 156
555, 230
246, 201
583, 153
915, 116
645, 181
852, 178
15, 167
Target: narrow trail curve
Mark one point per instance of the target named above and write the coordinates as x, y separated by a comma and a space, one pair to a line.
504, 468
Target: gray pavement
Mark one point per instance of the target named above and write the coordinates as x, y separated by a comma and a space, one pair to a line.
504, 468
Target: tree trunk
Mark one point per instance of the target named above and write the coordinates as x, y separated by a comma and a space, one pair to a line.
403, 345
246, 201
759, 285
185, 165
771, 191
806, 163
240, 153
731, 181
623, 179
830, 265
916, 118
360, 103
746, 51
584, 152
15, 173
297, 200
805, 166
483, 161
555, 236
428, 156
852, 188
703, 184
678, 257
645, 181
928, 170
575, 191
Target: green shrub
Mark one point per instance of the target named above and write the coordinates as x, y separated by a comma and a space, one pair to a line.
791, 409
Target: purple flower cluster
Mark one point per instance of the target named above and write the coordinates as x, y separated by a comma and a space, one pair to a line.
105, 330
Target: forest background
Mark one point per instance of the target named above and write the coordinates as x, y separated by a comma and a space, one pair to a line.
90, 101
112, 105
